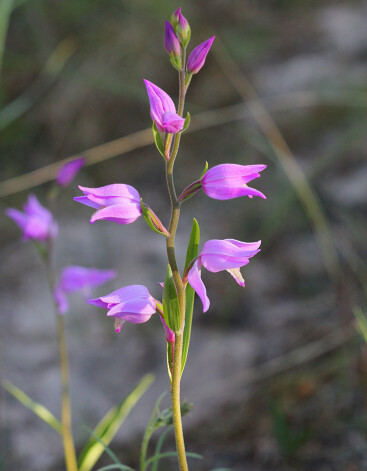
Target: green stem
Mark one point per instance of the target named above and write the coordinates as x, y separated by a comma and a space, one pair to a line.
170, 243
67, 437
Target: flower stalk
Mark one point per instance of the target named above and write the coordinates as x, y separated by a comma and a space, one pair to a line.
171, 255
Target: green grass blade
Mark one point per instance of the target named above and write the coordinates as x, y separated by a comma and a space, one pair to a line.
192, 252
123, 467
35, 407
159, 445
361, 322
170, 454
110, 424
6, 7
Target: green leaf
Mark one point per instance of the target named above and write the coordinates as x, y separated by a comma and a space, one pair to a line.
205, 170
171, 309
35, 407
169, 454
159, 445
187, 122
109, 425
157, 139
192, 252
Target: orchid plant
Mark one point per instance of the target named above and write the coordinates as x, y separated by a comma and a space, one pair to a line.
38, 224
122, 204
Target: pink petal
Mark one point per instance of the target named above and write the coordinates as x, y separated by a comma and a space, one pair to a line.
197, 284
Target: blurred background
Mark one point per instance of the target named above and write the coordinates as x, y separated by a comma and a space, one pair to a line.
277, 371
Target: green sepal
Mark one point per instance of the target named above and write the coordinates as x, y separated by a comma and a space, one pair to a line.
192, 252
148, 218
171, 308
187, 122
175, 61
205, 170
184, 36
157, 139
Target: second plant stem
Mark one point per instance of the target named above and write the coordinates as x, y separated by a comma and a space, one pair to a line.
67, 436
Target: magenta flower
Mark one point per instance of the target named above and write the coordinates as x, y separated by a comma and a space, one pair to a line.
132, 303
75, 278
67, 172
118, 203
171, 41
162, 110
36, 222
227, 181
197, 57
218, 255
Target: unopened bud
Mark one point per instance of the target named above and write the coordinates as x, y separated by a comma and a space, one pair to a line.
182, 27
197, 57
171, 41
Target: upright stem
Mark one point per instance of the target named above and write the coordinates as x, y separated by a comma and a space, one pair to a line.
170, 243
67, 437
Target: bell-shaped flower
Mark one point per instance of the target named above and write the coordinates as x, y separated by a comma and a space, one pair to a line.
218, 255
118, 203
36, 222
227, 181
197, 57
76, 278
132, 303
163, 110
67, 172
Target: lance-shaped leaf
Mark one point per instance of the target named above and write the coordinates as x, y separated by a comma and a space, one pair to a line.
192, 252
35, 407
171, 308
157, 139
109, 425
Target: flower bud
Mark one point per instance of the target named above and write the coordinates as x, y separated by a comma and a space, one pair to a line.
181, 26
171, 41
197, 57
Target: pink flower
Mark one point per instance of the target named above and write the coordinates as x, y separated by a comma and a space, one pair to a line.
75, 278
218, 255
118, 203
36, 222
227, 181
197, 57
163, 110
67, 172
132, 303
